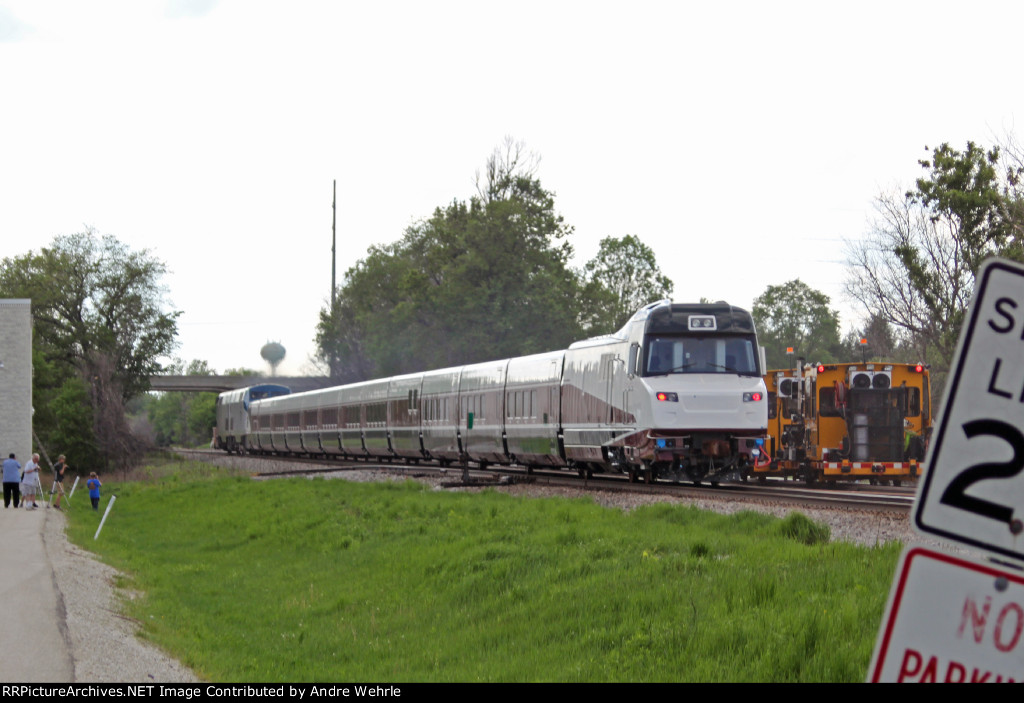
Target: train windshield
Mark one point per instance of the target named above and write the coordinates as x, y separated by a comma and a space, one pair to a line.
686, 354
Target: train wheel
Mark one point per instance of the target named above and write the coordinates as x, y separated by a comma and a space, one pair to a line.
649, 475
897, 482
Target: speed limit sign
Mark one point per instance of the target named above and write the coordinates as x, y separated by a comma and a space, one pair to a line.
973, 487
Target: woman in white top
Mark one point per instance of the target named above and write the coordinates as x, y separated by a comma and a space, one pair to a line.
30, 483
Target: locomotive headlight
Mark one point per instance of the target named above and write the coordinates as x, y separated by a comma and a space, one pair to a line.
670, 397
754, 397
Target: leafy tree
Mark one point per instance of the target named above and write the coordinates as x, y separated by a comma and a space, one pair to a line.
478, 280
795, 315
963, 195
99, 315
883, 344
182, 418
242, 371
916, 267
72, 432
881, 341
622, 277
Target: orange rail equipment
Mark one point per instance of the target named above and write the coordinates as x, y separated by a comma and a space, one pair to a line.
849, 421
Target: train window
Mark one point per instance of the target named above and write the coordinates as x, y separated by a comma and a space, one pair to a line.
309, 420
827, 403
913, 402
689, 354
926, 402
330, 417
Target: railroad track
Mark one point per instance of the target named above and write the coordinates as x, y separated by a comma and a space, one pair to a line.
841, 497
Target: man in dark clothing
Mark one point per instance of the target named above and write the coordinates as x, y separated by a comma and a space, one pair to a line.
12, 481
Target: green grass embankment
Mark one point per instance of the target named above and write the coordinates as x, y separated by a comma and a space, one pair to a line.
300, 580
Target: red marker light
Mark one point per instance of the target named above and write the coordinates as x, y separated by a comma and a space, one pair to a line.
757, 397
821, 368
919, 368
662, 396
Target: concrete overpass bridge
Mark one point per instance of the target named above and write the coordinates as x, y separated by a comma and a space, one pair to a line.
219, 384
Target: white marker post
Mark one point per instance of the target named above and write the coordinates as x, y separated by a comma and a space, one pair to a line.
105, 513
73, 487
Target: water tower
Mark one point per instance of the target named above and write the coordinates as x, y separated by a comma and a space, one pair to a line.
272, 353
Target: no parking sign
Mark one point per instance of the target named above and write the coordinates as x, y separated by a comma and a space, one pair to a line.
951, 620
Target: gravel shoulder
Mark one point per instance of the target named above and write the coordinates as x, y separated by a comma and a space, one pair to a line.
103, 642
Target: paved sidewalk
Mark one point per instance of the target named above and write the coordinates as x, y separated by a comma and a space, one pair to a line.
34, 642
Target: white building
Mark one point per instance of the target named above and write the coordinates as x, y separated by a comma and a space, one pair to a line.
16, 378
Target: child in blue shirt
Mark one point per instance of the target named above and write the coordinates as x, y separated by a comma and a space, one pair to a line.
94, 490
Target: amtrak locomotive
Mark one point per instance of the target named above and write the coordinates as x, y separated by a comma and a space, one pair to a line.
677, 393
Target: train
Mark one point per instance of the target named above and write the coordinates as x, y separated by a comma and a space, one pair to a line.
847, 422
678, 393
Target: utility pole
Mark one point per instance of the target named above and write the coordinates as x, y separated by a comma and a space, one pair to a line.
334, 240
334, 262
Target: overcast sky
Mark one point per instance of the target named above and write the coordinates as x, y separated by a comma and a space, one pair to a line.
742, 141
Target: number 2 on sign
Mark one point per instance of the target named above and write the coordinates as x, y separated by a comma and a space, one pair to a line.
955, 495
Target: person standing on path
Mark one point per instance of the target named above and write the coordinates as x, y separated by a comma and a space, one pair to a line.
58, 480
12, 481
30, 484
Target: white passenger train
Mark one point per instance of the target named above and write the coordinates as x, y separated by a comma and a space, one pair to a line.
676, 393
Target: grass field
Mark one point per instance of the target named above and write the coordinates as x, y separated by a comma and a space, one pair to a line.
317, 580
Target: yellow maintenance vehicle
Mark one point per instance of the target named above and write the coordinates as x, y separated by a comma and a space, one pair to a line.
847, 422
